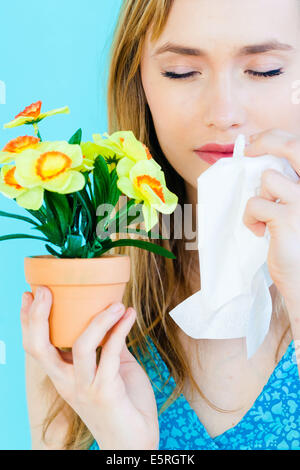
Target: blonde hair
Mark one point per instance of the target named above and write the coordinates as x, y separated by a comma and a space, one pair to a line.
157, 284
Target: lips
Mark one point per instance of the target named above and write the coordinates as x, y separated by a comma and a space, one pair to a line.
216, 148
213, 152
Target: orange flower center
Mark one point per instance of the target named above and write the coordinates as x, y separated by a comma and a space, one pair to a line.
10, 180
21, 143
154, 184
32, 110
51, 164
149, 156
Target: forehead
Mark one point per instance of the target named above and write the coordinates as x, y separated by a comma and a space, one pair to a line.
229, 24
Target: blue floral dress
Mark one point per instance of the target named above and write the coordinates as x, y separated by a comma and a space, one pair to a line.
273, 422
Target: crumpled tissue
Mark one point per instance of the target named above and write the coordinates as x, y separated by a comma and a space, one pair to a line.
234, 300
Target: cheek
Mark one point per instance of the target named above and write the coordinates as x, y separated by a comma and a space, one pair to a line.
173, 117
273, 108
166, 99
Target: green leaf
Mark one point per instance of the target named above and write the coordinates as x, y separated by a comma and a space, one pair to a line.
21, 235
139, 244
20, 217
52, 251
87, 214
136, 231
76, 209
90, 192
76, 138
101, 179
63, 210
73, 246
114, 192
60, 210
121, 215
51, 221
40, 214
50, 231
157, 235
73, 198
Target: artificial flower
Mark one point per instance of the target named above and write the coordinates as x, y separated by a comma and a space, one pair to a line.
90, 152
52, 166
145, 182
129, 150
32, 114
124, 144
27, 198
16, 146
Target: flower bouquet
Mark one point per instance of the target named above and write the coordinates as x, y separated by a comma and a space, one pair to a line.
71, 190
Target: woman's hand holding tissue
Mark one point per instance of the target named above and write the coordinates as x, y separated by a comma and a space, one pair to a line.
282, 217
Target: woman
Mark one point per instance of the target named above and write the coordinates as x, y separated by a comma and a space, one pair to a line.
176, 100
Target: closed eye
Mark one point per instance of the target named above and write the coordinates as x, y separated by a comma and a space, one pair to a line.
173, 75
268, 73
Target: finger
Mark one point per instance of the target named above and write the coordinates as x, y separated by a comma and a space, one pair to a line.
275, 185
39, 345
109, 363
84, 348
278, 143
260, 212
27, 299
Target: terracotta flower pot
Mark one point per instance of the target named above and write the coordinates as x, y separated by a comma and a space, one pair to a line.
80, 288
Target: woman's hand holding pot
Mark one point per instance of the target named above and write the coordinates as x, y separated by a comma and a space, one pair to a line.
114, 399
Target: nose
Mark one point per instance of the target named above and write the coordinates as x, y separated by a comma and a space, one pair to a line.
223, 110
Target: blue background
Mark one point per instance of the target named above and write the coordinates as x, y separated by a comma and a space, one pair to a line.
55, 51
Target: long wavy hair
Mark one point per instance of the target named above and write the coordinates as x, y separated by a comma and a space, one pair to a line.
157, 284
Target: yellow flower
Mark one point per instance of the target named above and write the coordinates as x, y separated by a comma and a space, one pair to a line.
27, 198
46, 165
51, 166
16, 146
90, 152
123, 144
127, 148
32, 114
145, 182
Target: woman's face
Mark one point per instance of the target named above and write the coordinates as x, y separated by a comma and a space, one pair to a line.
226, 94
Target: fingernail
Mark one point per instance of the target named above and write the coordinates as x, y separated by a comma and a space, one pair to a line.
116, 307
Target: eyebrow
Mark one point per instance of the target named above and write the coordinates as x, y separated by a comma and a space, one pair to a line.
246, 50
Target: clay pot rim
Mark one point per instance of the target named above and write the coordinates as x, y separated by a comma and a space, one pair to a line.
52, 257
50, 270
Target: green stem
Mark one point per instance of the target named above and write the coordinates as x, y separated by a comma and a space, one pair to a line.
20, 217
88, 213
21, 235
91, 191
36, 131
152, 247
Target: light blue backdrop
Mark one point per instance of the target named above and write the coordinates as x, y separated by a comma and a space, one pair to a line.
55, 51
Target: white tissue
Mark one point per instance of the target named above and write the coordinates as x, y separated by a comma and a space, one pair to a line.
234, 300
